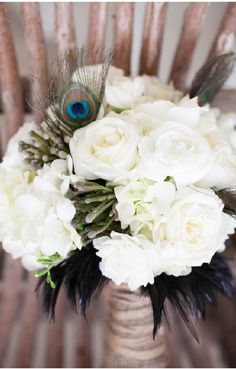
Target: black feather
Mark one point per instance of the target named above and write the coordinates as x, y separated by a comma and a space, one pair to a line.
81, 276
228, 196
189, 294
211, 77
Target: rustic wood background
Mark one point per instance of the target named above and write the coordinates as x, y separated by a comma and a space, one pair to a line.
27, 338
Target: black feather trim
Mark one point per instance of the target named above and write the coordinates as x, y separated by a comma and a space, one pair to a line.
189, 294
81, 276
228, 196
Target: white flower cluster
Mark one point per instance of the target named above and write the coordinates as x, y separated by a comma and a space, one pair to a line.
161, 153
35, 216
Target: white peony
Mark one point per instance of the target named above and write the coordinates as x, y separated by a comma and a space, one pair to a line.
175, 150
127, 259
105, 149
141, 203
35, 217
193, 231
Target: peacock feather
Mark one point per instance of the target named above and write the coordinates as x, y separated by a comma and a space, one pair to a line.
72, 100
211, 77
77, 88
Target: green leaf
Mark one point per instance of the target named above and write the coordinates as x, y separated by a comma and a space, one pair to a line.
52, 284
44, 261
40, 273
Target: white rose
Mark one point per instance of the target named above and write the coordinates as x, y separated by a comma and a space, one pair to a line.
193, 231
141, 203
123, 92
175, 150
227, 125
222, 173
114, 74
186, 111
127, 259
105, 149
157, 90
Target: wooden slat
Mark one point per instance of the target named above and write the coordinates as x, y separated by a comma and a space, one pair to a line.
97, 26
193, 21
56, 334
37, 51
65, 31
29, 319
9, 77
152, 37
123, 35
225, 100
9, 302
226, 35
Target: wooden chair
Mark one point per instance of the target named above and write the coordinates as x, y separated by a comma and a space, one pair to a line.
27, 338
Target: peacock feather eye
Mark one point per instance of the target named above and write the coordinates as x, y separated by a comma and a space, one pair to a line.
78, 106
76, 89
78, 109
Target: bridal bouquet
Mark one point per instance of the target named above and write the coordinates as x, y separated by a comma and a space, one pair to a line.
126, 180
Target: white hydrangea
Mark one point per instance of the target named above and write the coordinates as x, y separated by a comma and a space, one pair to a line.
142, 203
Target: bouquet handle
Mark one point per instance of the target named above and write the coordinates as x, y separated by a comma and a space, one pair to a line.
129, 341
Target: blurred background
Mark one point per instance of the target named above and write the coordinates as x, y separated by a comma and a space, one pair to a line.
27, 337
173, 26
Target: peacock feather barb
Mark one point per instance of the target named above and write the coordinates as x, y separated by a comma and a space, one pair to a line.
73, 100
211, 77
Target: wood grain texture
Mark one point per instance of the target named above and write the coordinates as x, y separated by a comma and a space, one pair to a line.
192, 25
226, 35
11, 95
225, 100
65, 30
97, 26
37, 52
129, 341
9, 302
55, 354
29, 319
124, 14
152, 37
